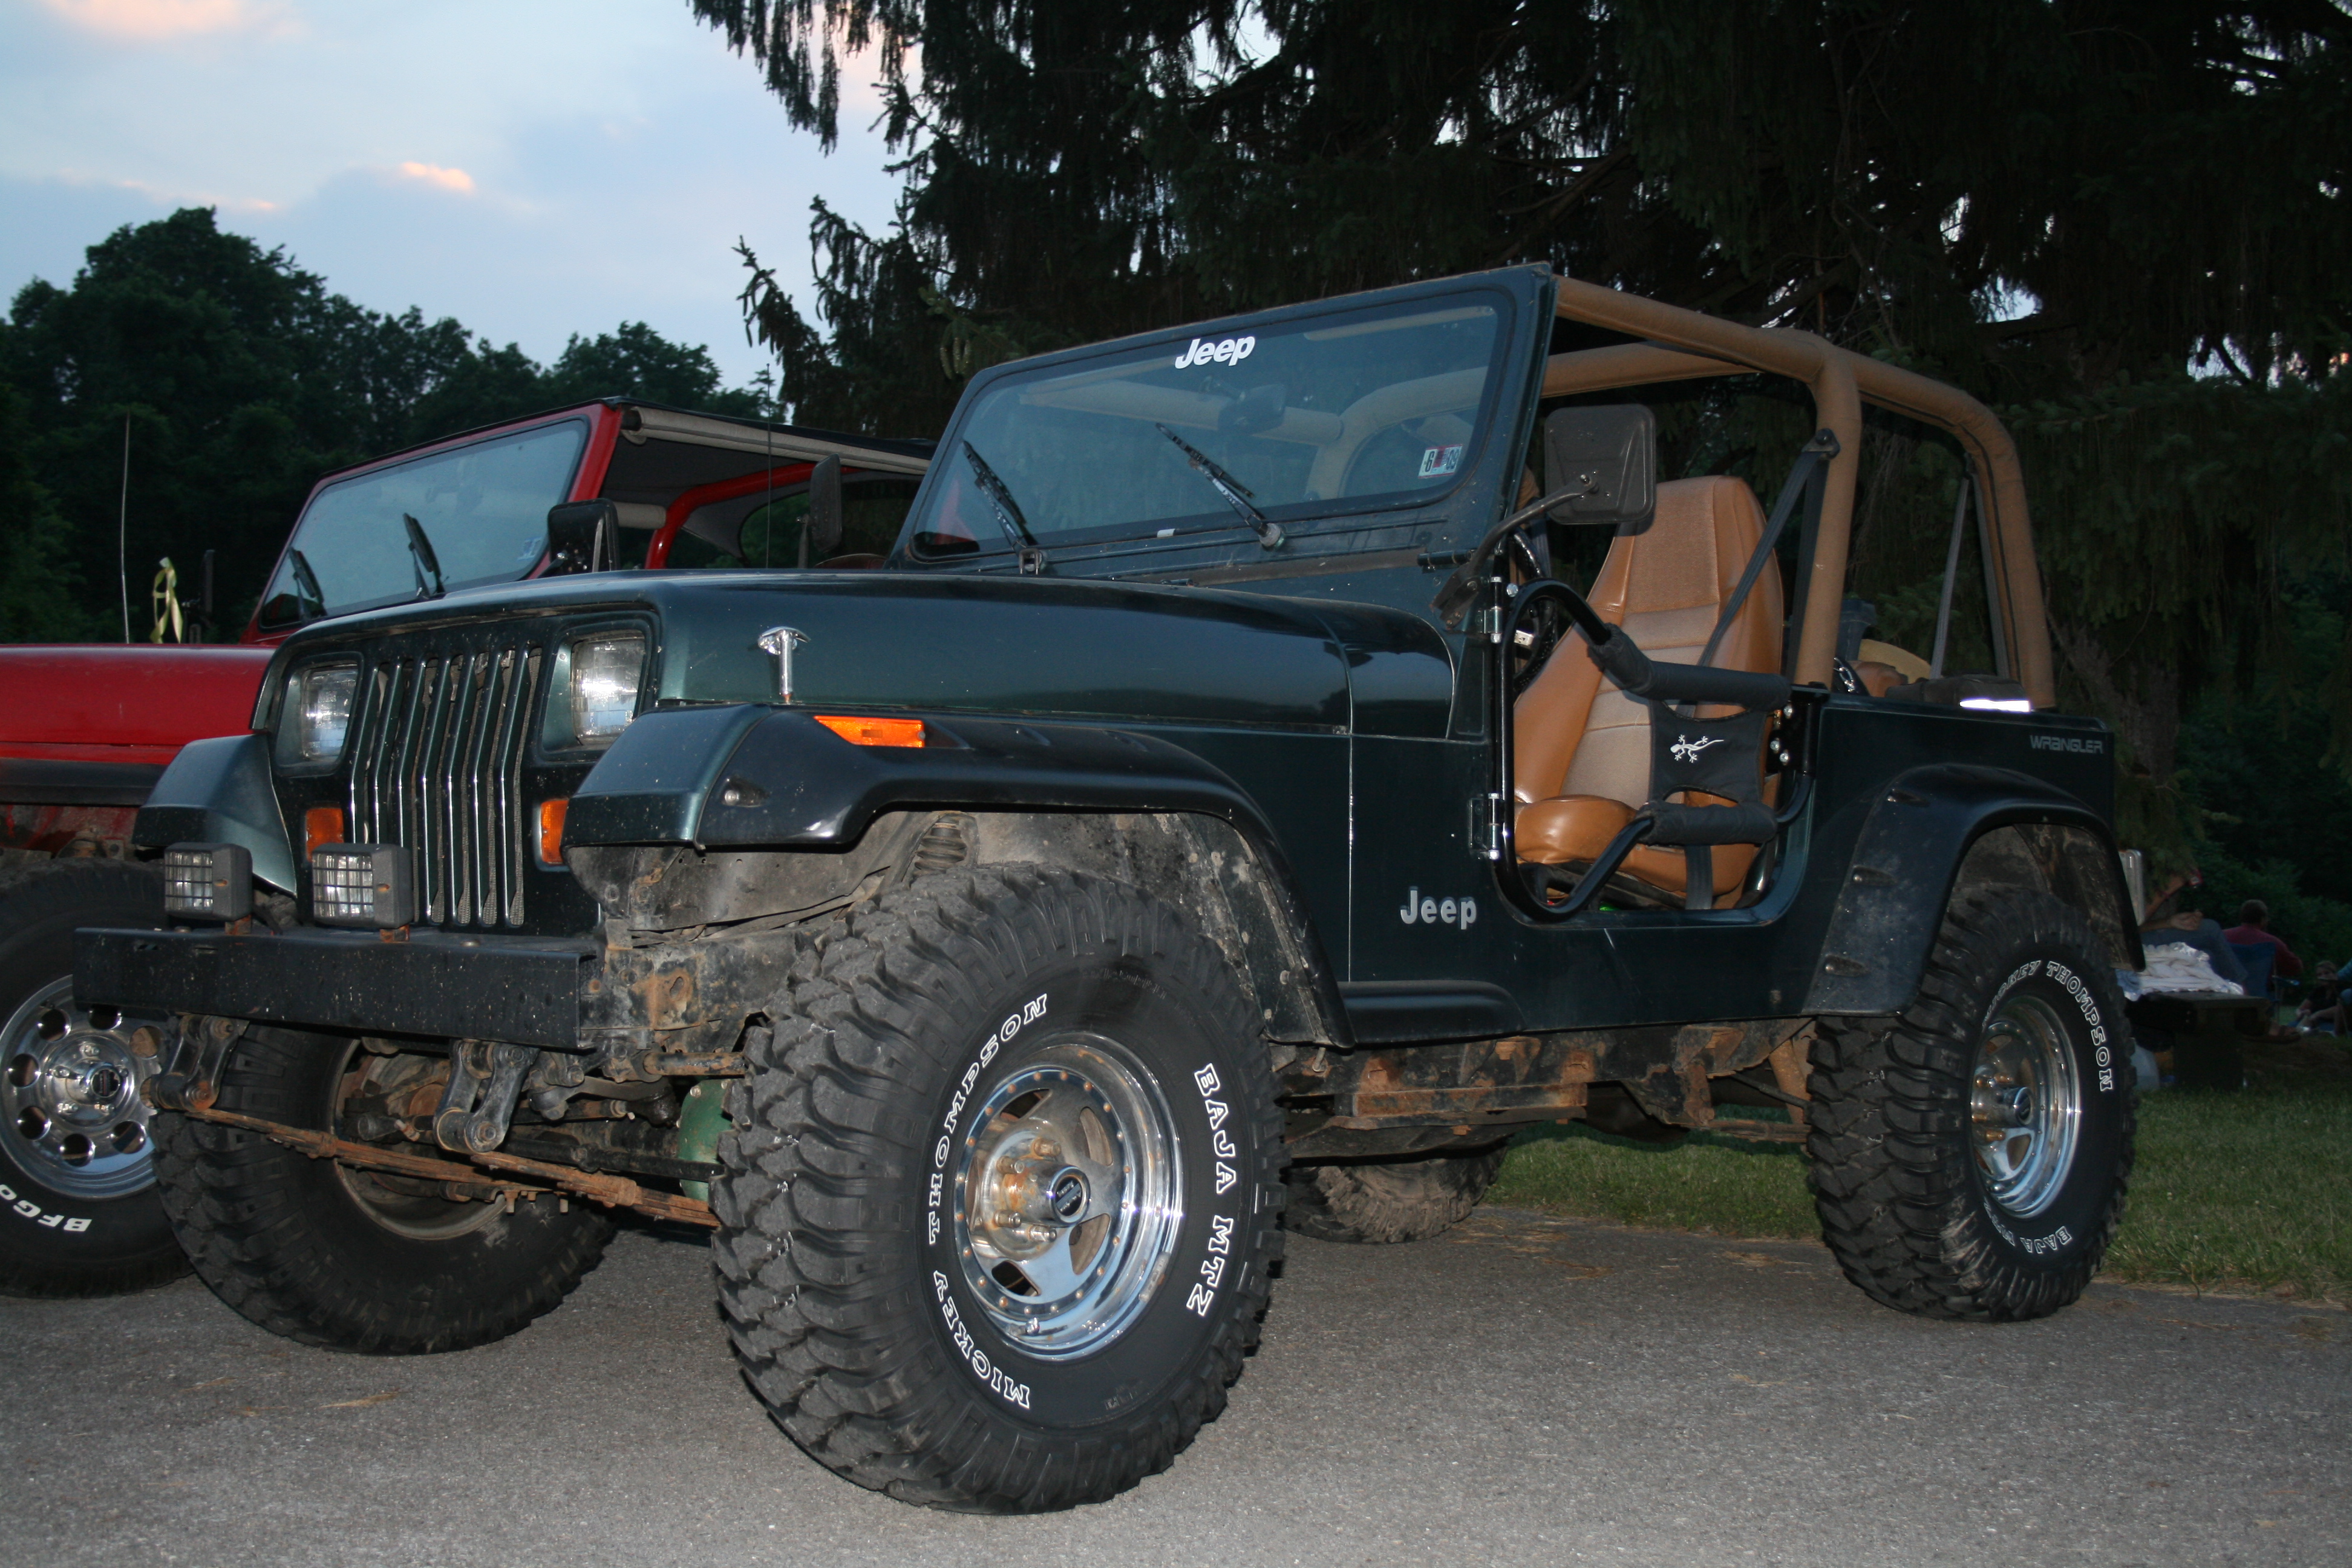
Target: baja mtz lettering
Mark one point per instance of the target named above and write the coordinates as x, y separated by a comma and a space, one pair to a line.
1461, 913
1229, 351
1204, 1294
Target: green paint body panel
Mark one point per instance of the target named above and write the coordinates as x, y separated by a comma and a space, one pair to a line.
700, 1120
1310, 695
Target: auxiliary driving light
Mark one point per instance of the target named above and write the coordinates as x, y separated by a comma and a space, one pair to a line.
208, 881
362, 885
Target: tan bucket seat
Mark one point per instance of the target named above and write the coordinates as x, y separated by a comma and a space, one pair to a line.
1581, 748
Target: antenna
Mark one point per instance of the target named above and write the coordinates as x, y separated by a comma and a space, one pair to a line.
122, 531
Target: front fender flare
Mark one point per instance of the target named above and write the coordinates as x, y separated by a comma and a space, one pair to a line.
749, 777
1907, 864
761, 778
218, 792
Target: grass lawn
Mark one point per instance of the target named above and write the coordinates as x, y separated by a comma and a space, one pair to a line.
2245, 1191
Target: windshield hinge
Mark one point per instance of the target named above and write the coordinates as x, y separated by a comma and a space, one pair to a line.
1487, 827
1033, 560
1487, 623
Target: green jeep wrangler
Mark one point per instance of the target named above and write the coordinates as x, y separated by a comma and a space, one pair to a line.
1214, 815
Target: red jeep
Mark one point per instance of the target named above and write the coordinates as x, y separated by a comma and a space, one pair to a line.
87, 730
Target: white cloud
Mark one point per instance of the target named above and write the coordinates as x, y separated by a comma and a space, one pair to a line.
435, 174
153, 21
535, 167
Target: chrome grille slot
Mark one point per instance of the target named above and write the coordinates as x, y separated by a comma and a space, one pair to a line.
436, 767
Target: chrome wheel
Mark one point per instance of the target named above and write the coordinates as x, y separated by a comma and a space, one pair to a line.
69, 1092
1066, 1197
2025, 1105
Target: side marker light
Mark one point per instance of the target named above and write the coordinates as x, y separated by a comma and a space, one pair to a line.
874, 732
551, 830
321, 824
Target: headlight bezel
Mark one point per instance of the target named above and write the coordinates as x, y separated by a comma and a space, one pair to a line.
309, 711
575, 722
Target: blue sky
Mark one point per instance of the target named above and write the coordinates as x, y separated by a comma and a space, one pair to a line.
532, 167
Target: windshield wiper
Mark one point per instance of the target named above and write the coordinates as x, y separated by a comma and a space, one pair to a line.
1236, 494
306, 584
1008, 511
421, 556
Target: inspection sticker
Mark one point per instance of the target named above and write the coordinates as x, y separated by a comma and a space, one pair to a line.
1437, 460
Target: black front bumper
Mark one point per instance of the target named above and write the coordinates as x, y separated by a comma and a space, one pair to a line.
520, 989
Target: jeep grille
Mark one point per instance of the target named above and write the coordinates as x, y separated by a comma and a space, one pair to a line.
436, 756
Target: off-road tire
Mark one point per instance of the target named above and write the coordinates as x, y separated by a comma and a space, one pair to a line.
283, 1239
1388, 1200
110, 1236
1904, 1206
841, 1278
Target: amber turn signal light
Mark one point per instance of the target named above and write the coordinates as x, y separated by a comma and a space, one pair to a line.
874, 732
321, 824
550, 831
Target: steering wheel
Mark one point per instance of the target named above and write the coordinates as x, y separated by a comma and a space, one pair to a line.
1536, 634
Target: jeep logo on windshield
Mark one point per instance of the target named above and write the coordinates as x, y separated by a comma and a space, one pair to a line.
1462, 913
1231, 350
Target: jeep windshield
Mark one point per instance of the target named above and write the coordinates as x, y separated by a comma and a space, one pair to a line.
1306, 417
481, 508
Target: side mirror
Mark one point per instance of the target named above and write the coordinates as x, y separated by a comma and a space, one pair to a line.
821, 532
1606, 459
584, 536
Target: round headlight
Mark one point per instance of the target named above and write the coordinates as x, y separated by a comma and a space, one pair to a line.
605, 674
322, 709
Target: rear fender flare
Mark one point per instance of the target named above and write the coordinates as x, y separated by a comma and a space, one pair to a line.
1937, 831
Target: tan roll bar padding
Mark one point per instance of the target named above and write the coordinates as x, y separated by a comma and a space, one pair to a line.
1684, 345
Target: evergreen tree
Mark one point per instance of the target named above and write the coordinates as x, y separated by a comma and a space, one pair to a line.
2058, 204
37, 580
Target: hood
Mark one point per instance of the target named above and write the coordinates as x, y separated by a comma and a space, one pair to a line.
1042, 647
93, 699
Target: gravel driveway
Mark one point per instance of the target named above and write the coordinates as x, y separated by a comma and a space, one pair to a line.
1526, 1390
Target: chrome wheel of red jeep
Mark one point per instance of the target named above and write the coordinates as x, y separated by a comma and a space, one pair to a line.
78, 1214
69, 1094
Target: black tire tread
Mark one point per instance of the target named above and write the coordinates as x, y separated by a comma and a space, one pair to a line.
831, 1342
241, 1213
1889, 1101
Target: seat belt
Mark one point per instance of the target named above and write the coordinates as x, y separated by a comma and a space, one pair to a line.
1812, 459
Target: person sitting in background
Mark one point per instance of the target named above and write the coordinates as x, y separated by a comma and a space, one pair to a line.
2177, 918
2254, 929
2321, 1010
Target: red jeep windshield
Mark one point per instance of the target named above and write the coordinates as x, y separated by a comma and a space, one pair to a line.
482, 507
